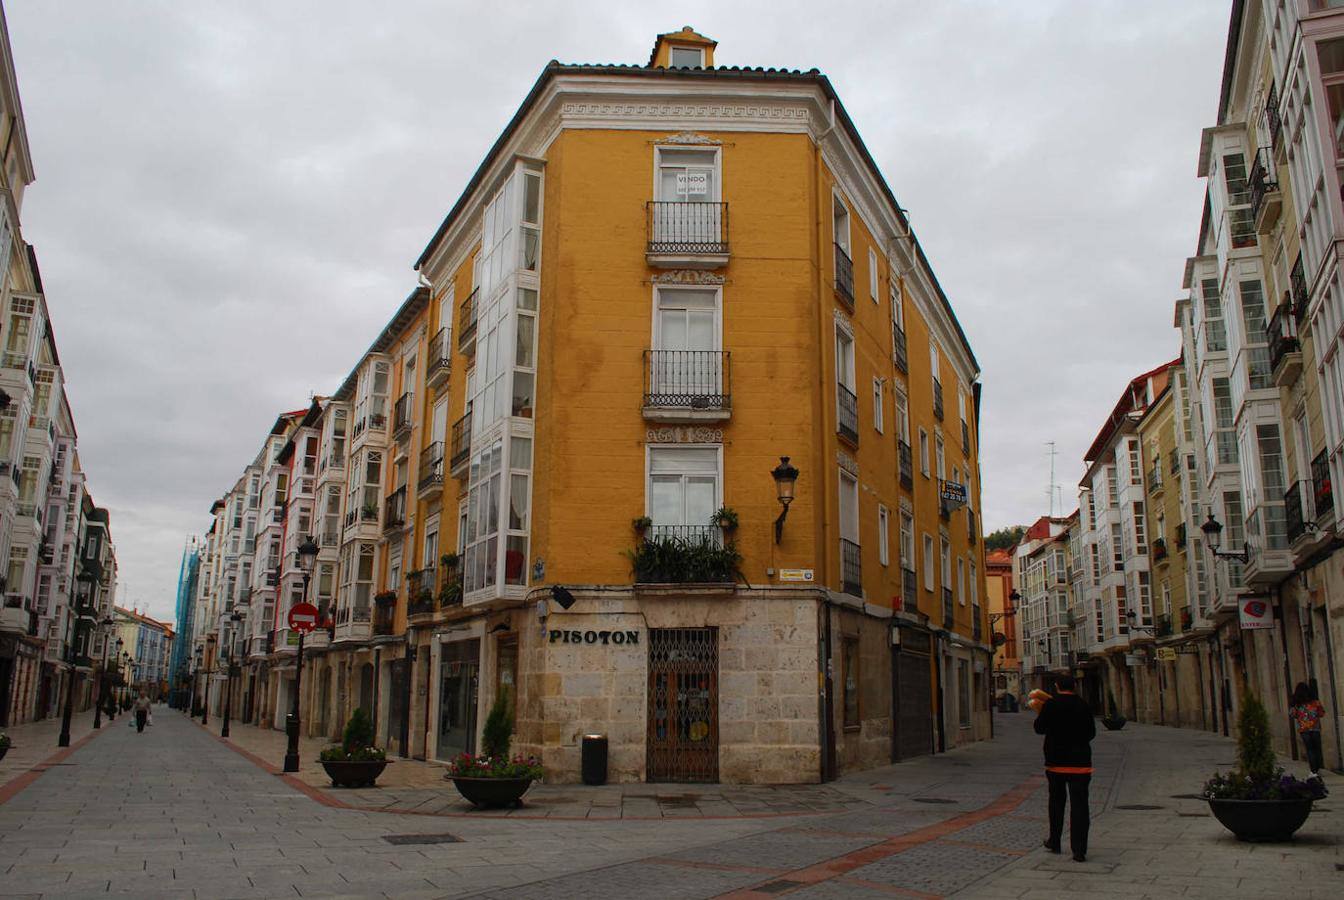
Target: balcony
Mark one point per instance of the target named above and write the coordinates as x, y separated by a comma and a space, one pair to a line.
1266, 200
1300, 297
844, 278
16, 618
1322, 490
947, 608
439, 359
353, 623
909, 590
395, 511
1159, 547
972, 532
977, 625
1180, 536
899, 354
689, 234
965, 438
466, 325
1162, 626
851, 568
330, 537
847, 415
907, 465
1294, 513
401, 416
687, 555
1285, 353
687, 385
937, 399
461, 445
431, 469
1187, 620
384, 615
1272, 120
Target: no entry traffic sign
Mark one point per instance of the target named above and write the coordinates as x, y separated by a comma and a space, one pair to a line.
303, 618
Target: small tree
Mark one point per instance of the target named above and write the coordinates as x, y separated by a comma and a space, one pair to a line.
497, 734
1255, 752
358, 731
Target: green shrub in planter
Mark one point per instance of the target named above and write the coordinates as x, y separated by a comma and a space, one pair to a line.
357, 742
497, 734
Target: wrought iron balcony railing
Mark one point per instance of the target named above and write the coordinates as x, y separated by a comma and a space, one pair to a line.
1322, 490
844, 277
1162, 625
947, 607
1282, 334
461, 443
1301, 297
682, 228
977, 625
899, 353
439, 361
851, 568
847, 414
1261, 180
466, 324
1272, 120
690, 535
909, 590
907, 464
937, 399
1295, 515
687, 379
395, 511
431, 466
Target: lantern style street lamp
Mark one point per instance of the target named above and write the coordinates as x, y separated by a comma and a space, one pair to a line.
102, 678
1213, 536
82, 611
786, 476
235, 617
307, 558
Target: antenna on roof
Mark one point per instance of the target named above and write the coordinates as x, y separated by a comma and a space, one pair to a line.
1052, 487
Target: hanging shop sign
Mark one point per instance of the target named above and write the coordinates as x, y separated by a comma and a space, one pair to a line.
1255, 613
604, 638
1166, 654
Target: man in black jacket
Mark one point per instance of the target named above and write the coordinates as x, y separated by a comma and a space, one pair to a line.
1066, 721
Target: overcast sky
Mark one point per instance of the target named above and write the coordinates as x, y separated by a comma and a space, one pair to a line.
230, 198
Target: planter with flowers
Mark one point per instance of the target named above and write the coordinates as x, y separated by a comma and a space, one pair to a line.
355, 762
493, 779
4, 744
1257, 801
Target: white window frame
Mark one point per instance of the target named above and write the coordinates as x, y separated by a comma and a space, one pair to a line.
672, 150
849, 525
940, 455
648, 471
662, 289
846, 374
924, 452
961, 580
872, 276
837, 200
928, 562
883, 529
878, 402
902, 416
674, 48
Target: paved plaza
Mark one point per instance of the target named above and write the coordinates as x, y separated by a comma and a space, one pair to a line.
177, 812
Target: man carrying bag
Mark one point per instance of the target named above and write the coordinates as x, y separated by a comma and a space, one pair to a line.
1066, 721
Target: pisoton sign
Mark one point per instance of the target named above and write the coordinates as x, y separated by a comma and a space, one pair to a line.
558, 636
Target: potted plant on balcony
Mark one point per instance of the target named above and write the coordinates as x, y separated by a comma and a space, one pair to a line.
5, 743
1257, 801
385, 597
1113, 720
355, 762
492, 778
369, 511
641, 525
725, 518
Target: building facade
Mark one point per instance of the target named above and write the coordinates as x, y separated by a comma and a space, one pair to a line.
556, 474
49, 527
1001, 605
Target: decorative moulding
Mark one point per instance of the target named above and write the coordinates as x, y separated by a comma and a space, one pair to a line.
686, 591
847, 462
684, 435
688, 137
688, 276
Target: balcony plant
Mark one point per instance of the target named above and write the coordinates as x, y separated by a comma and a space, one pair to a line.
675, 560
355, 762
725, 518
385, 597
641, 525
493, 778
1113, 720
369, 511
1257, 801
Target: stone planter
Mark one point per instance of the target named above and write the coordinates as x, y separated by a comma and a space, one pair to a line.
1114, 723
4, 750
354, 773
489, 792
1261, 820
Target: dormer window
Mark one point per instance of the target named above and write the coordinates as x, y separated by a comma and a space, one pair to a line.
687, 58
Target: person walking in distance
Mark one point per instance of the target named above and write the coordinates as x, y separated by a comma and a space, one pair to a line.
1066, 721
141, 712
1307, 712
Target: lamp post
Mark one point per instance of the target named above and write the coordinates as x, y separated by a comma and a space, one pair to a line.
196, 683
307, 558
102, 679
235, 617
86, 580
205, 708
786, 476
1213, 536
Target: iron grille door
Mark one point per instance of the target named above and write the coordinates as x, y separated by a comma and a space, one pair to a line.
683, 738
913, 693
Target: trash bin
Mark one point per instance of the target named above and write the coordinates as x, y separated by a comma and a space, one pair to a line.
594, 759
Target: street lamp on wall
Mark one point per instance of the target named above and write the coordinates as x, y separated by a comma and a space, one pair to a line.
786, 476
1213, 536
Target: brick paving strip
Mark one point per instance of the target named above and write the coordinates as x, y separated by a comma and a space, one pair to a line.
11, 788
840, 866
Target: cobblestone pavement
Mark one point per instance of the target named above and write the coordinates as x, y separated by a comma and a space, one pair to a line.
177, 813
35, 741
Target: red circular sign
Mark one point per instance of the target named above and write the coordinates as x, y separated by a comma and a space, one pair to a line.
303, 618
